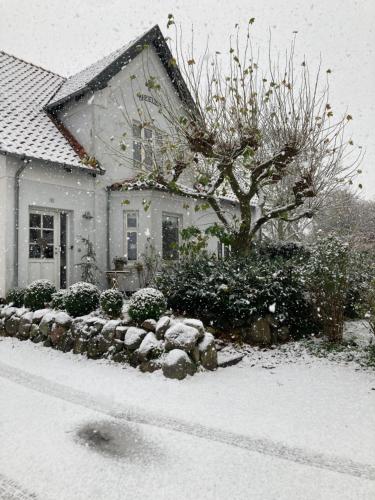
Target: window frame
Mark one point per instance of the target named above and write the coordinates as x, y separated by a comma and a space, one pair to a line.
179, 220
146, 146
131, 230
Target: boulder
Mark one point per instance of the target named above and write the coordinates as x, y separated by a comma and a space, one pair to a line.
207, 352
150, 347
150, 365
121, 332
38, 315
109, 329
34, 333
149, 325
178, 365
283, 334
63, 319
181, 336
25, 326
80, 345
56, 333
46, 323
65, 343
11, 325
195, 323
162, 326
134, 337
8, 312
259, 333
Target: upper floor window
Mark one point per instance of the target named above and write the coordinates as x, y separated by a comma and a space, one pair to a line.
223, 251
147, 143
170, 236
131, 234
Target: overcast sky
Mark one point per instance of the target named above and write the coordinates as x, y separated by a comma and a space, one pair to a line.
67, 35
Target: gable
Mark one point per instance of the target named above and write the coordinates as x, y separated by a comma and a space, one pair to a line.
97, 75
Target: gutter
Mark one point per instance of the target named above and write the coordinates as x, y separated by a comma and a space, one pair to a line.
108, 189
17, 220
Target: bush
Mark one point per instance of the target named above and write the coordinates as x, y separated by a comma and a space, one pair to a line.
328, 275
147, 303
82, 298
59, 299
111, 302
361, 274
38, 294
235, 292
15, 296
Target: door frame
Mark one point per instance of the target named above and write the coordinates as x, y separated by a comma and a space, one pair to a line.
57, 241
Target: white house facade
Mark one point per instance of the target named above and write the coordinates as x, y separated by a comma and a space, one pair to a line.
51, 195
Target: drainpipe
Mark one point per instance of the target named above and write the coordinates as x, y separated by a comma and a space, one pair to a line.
108, 229
17, 220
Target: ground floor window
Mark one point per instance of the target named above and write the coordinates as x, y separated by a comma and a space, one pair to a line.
223, 250
41, 236
131, 234
170, 235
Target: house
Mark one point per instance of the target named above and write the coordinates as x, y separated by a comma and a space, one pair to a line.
61, 181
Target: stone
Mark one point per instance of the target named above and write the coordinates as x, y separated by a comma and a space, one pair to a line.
56, 333
150, 365
181, 336
162, 326
93, 351
80, 345
109, 329
195, 323
225, 360
207, 352
8, 312
177, 365
120, 357
150, 347
11, 325
103, 344
121, 332
65, 343
283, 334
25, 325
95, 323
38, 315
46, 323
149, 325
133, 337
63, 319
259, 333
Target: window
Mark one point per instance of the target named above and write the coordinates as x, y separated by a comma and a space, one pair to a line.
41, 236
147, 144
131, 235
170, 236
223, 250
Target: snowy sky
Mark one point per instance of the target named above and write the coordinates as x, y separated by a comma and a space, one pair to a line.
67, 35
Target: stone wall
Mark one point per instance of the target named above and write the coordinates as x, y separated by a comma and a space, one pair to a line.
178, 347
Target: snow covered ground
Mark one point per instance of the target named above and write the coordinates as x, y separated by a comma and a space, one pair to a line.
268, 428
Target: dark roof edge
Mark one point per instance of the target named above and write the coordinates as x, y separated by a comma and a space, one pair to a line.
153, 36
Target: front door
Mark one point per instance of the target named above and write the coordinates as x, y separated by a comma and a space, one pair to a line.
44, 246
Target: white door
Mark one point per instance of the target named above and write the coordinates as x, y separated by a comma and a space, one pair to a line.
44, 246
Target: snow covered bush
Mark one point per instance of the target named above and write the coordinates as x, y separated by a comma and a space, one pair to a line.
327, 273
361, 274
111, 302
147, 303
59, 299
15, 296
82, 298
235, 292
38, 294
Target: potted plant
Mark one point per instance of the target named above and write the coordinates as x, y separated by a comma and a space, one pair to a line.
119, 263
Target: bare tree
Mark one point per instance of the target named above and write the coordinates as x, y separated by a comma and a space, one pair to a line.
265, 136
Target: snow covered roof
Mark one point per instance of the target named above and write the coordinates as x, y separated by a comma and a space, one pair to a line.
25, 128
98, 74
143, 185
29, 93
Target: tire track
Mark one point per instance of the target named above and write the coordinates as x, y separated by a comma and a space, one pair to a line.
10, 490
135, 415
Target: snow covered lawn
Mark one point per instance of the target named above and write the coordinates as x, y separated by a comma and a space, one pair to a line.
268, 428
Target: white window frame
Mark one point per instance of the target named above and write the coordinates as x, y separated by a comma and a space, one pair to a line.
130, 230
223, 250
179, 218
147, 144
